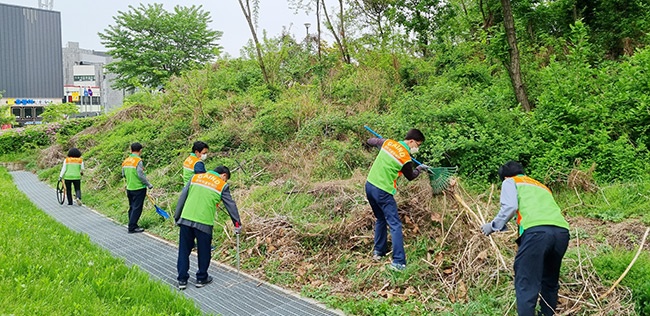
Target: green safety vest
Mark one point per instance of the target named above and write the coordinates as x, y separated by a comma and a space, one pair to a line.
537, 206
202, 198
188, 167
72, 168
129, 166
388, 165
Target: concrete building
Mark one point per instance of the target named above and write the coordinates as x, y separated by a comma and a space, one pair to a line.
85, 81
30, 60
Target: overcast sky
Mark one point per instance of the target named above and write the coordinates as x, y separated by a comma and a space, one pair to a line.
81, 20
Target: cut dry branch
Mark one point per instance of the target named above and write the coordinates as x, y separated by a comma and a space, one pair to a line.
638, 252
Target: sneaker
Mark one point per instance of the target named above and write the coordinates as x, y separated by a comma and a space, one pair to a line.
182, 285
377, 257
202, 283
78, 202
397, 267
136, 230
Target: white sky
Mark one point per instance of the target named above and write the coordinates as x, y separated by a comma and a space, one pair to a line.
81, 20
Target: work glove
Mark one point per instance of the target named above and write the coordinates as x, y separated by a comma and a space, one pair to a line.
60, 178
487, 229
237, 228
150, 186
423, 167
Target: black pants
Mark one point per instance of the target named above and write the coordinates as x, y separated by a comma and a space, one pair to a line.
185, 244
136, 200
537, 268
68, 189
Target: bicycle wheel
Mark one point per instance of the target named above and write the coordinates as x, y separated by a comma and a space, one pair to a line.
60, 192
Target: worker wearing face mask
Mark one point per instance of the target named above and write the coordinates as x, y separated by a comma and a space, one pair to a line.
393, 160
194, 162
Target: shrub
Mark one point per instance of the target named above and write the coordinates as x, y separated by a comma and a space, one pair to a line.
611, 265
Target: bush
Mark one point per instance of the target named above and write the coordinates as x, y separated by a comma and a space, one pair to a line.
611, 265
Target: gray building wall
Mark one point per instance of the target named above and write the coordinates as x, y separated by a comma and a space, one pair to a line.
31, 62
74, 55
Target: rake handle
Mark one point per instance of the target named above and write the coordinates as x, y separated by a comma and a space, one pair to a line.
379, 136
237, 252
151, 199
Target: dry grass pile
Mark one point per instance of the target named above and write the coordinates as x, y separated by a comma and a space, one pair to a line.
51, 156
274, 238
576, 178
459, 256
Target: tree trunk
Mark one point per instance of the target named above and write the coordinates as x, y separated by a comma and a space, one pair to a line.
336, 37
343, 39
514, 69
249, 19
318, 27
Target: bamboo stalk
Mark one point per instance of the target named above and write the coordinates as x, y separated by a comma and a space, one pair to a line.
462, 202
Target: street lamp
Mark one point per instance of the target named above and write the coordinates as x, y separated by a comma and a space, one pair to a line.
307, 25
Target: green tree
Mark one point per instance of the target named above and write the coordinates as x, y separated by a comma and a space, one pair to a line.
151, 44
426, 19
58, 112
513, 65
5, 114
251, 18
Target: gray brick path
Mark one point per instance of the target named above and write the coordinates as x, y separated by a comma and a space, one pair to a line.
231, 293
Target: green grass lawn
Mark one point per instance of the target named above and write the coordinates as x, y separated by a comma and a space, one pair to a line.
46, 269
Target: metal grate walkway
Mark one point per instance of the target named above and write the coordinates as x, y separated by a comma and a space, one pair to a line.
231, 293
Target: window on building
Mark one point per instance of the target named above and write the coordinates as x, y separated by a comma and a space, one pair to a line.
84, 78
29, 112
16, 112
39, 111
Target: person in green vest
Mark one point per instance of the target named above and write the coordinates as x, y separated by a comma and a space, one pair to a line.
194, 163
543, 238
136, 186
71, 173
195, 213
393, 160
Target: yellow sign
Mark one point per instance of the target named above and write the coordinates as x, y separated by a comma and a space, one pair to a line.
75, 96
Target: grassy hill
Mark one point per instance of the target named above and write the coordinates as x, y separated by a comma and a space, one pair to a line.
299, 165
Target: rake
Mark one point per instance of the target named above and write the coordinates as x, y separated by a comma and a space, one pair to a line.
439, 177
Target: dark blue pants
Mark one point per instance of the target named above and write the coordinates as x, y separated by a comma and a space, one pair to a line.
185, 245
537, 268
385, 209
136, 201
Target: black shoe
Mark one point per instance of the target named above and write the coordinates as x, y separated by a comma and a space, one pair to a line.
136, 230
202, 283
182, 285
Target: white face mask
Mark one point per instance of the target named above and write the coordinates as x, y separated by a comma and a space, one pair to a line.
204, 156
415, 150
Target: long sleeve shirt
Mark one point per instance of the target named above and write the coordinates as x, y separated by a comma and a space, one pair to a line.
408, 171
509, 205
199, 167
64, 168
